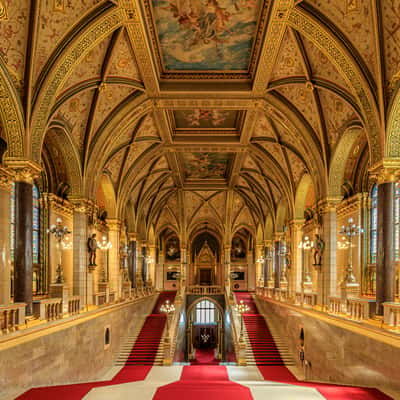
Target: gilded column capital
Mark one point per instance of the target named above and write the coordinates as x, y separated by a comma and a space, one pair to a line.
83, 205
114, 224
268, 243
6, 178
328, 204
386, 171
132, 236
24, 170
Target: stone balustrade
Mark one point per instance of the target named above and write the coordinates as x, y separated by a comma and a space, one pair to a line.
309, 299
111, 297
48, 309
269, 292
298, 298
205, 290
11, 317
359, 309
391, 314
74, 305
282, 295
99, 299
335, 304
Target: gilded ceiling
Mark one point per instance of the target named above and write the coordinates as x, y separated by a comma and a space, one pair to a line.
201, 110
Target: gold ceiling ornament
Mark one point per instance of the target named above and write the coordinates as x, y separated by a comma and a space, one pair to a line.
3, 12
58, 5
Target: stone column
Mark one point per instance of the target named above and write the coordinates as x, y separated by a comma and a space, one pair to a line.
277, 262
227, 269
82, 278
260, 265
5, 232
269, 276
151, 266
327, 282
184, 266
25, 172
385, 266
114, 226
132, 258
144, 263
139, 266
296, 228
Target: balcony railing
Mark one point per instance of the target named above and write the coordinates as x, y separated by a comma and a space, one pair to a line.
48, 309
11, 317
391, 314
205, 290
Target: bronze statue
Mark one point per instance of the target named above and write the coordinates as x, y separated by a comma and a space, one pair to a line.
92, 247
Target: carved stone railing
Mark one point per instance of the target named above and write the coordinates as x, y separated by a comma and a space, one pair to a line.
359, 309
391, 314
74, 305
282, 295
48, 309
100, 299
111, 297
205, 290
309, 299
171, 333
298, 298
335, 304
12, 316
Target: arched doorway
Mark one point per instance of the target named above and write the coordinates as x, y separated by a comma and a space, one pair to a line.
205, 332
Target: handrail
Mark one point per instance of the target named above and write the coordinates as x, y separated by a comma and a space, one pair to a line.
170, 334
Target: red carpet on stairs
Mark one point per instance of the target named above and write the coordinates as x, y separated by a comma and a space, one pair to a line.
203, 383
204, 357
272, 366
136, 368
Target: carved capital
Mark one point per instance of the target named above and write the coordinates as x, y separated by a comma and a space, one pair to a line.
132, 236
57, 204
114, 224
6, 179
388, 170
24, 170
83, 205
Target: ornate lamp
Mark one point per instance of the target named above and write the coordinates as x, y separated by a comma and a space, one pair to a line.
349, 231
59, 232
104, 245
167, 308
241, 308
306, 244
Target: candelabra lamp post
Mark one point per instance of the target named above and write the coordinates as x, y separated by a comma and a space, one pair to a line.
167, 308
59, 232
305, 245
349, 231
59, 288
241, 308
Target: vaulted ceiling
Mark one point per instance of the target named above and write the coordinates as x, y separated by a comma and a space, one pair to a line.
204, 109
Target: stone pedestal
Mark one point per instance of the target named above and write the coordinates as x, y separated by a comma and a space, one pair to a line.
307, 287
270, 284
348, 290
60, 290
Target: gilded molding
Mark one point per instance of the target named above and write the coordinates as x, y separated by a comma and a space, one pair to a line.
388, 170
3, 12
349, 69
214, 103
114, 224
350, 205
24, 170
272, 44
6, 178
57, 204
95, 33
11, 115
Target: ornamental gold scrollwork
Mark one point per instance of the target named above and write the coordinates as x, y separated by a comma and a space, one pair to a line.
3, 12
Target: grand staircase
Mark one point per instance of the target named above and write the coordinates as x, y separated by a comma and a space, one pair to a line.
145, 347
262, 348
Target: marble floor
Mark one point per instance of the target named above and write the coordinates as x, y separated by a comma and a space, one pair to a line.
249, 377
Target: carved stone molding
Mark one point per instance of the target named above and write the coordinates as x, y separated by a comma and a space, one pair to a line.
57, 204
83, 205
209, 102
6, 178
24, 170
388, 170
114, 224
349, 206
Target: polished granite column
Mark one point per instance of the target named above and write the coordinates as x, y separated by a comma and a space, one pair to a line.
385, 268
23, 245
277, 260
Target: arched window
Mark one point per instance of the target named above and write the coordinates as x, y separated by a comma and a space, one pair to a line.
374, 223
35, 225
205, 312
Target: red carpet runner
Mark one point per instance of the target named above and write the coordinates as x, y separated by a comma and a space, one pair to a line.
203, 383
272, 367
136, 369
204, 357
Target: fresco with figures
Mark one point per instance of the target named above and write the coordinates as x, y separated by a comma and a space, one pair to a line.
205, 119
214, 35
206, 165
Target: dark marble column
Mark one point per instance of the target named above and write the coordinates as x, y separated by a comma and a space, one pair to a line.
266, 265
277, 260
132, 261
385, 269
144, 266
23, 245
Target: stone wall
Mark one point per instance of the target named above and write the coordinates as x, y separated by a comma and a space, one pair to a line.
335, 353
68, 351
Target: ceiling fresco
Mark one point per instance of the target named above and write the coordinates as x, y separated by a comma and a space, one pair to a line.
206, 165
202, 120
206, 35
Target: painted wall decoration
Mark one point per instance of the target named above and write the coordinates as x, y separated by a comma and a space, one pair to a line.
205, 119
206, 34
206, 165
238, 249
172, 250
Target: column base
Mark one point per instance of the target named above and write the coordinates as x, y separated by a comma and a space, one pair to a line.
307, 286
60, 290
